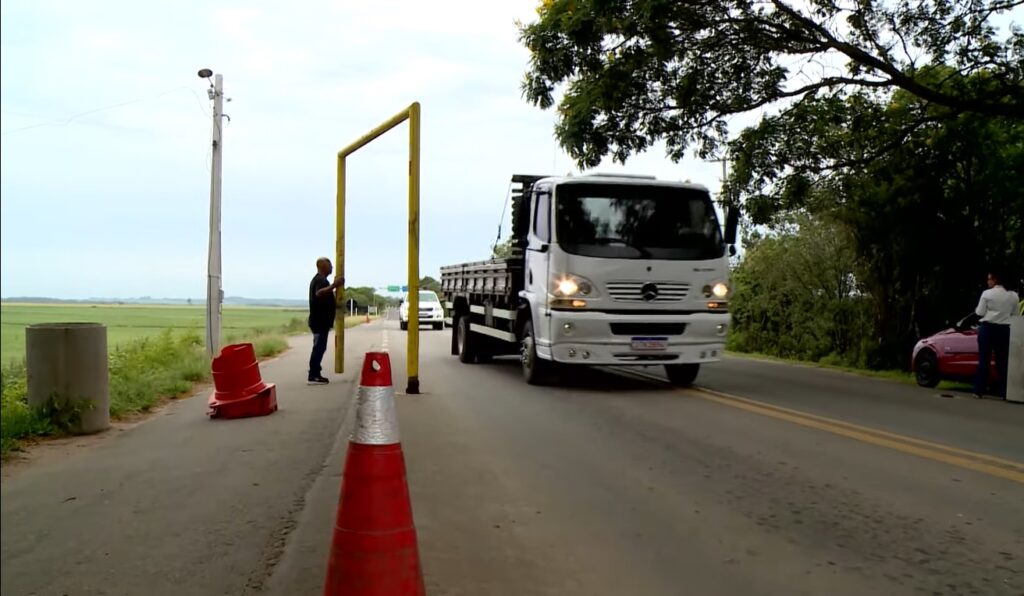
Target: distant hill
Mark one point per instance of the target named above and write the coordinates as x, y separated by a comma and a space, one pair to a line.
228, 301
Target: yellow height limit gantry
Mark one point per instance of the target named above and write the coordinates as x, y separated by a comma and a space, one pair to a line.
412, 114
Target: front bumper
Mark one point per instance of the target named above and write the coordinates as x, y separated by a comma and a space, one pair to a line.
436, 316
608, 339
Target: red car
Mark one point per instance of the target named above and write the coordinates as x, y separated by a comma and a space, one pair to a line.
951, 354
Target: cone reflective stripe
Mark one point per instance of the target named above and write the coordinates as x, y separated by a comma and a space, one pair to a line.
374, 550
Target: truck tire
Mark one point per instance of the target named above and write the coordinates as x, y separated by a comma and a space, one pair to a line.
535, 370
403, 325
682, 375
466, 341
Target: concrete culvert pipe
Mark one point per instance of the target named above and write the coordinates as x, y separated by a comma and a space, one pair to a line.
68, 362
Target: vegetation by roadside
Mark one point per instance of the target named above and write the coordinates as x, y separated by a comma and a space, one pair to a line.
144, 373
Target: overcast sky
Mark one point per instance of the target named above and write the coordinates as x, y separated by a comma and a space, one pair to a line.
115, 203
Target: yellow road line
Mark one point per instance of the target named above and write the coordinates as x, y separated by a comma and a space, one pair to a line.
878, 432
978, 462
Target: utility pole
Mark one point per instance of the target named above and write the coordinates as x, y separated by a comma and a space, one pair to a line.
724, 160
214, 293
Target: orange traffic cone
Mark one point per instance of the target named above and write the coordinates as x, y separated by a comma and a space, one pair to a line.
374, 550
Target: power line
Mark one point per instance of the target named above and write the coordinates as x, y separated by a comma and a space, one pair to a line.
73, 117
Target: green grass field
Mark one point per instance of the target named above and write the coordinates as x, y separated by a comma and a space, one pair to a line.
128, 322
156, 354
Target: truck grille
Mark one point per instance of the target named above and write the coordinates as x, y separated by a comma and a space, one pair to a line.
648, 328
633, 291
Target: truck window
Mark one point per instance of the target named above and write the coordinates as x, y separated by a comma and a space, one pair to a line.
542, 218
631, 221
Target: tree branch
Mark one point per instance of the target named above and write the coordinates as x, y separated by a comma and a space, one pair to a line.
897, 76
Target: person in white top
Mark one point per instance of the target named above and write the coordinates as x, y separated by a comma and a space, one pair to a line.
996, 306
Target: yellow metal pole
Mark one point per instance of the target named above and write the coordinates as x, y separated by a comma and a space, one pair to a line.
413, 348
376, 132
339, 273
412, 113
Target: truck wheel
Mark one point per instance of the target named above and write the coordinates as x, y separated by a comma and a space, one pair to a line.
403, 325
466, 343
682, 375
534, 369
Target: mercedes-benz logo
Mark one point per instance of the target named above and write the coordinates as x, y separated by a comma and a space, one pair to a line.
649, 291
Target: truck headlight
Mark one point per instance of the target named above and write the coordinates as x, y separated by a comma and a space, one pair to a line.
569, 286
719, 290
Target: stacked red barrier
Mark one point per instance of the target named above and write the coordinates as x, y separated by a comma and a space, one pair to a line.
239, 390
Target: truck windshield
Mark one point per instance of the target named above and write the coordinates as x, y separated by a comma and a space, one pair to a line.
627, 221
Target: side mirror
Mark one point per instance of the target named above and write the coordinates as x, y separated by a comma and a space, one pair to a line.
732, 224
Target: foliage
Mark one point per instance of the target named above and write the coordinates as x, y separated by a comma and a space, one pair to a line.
635, 72
429, 283
363, 297
796, 296
142, 374
502, 250
17, 420
931, 208
928, 217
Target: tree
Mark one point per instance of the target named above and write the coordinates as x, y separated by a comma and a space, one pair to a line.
796, 295
930, 219
639, 71
429, 283
927, 217
502, 250
806, 152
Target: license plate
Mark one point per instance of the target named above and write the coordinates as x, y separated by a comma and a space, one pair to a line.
649, 344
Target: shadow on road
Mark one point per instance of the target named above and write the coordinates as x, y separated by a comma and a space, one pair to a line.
572, 378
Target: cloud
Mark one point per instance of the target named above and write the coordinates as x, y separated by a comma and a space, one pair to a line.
116, 202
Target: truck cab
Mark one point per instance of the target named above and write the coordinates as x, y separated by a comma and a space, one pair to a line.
608, 270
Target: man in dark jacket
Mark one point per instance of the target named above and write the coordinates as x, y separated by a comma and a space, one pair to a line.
322, 303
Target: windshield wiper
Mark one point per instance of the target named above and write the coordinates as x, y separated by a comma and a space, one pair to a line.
612, 240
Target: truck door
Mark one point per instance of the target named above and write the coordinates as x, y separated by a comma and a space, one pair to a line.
537, 274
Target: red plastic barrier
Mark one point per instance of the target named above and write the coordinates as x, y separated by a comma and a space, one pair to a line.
239, 390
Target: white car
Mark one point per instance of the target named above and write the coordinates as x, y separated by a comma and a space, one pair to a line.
431, 311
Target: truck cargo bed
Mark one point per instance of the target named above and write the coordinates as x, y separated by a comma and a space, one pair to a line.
497, 278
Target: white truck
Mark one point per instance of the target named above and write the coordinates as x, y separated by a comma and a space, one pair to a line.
605, 270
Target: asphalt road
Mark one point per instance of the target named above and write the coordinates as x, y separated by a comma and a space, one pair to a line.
609, 484
180, 504
774, 480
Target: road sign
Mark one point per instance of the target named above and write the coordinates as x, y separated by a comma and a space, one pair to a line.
394, 288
